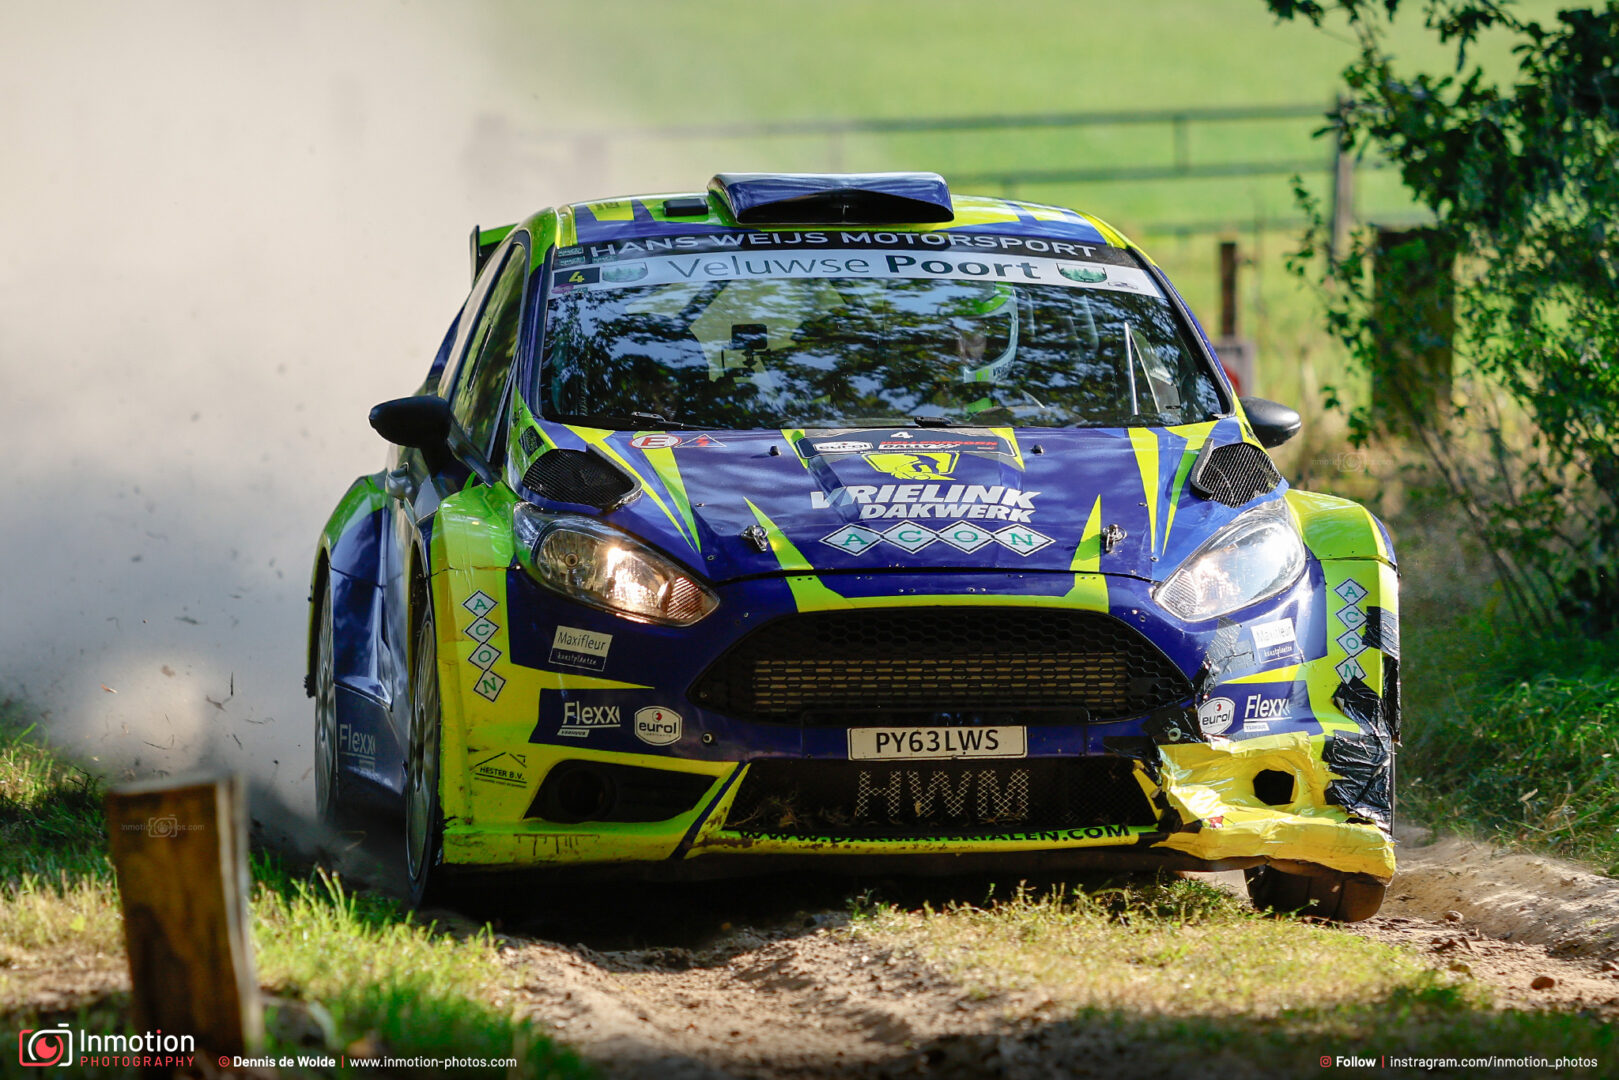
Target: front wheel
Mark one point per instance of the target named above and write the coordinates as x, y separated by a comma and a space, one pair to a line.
1339, 897
332, 803
424, 815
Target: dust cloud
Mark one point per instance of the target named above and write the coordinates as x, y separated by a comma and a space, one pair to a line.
226, 230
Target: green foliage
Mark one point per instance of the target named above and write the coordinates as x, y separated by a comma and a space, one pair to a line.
51, 821
1520, 181
1536, 761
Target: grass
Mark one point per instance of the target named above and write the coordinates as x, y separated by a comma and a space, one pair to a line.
359, 975
1534, 761
1196, 973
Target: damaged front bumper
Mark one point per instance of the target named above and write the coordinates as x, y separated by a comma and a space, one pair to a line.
1217, 805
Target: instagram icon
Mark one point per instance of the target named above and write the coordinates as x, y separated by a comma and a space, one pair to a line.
46, 1046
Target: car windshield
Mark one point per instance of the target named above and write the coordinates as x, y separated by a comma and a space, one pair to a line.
836, 338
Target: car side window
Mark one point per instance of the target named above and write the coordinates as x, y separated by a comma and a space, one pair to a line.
481, 386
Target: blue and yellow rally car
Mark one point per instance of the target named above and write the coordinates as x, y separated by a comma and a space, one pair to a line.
843, 521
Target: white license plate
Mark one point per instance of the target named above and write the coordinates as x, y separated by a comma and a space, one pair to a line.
916, 743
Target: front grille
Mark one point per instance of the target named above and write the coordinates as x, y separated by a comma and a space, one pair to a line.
578, 476
957, 799
1234, 474
978, 665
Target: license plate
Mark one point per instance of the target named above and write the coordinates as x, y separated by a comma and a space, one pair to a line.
919, 743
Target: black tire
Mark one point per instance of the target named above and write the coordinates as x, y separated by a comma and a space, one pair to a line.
424, 814
333, 799
1338, 897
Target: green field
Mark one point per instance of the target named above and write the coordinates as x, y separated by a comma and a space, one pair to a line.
629, 66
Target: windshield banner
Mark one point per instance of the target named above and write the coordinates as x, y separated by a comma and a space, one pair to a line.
953, 265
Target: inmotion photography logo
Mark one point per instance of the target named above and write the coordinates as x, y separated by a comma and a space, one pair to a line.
44, 1047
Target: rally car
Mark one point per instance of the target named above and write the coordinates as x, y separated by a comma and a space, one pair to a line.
845, 521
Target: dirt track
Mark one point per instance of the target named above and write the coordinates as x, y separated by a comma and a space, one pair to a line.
663, 986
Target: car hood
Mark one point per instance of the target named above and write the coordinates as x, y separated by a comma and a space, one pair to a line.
735, 504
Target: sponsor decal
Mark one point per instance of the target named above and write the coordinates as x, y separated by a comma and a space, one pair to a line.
978, 793
484, 656
865, 441
573, 647
990, 502
579, 719
1261, 710
482, 630
489, 685
862, 263
1215, 715
1044, 836
963, 536
1270, 634
657, 726
361, 746
638, 248
1351, 592
624, 272
1353, 619
479, 603
663, 441
927, 466
504, 768
1089, 275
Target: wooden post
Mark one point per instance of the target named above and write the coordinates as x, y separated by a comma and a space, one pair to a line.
180, 849
1228, 289
1236, 354
1343, 190
1414, 296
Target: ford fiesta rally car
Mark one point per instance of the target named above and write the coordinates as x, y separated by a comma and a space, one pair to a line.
842, 520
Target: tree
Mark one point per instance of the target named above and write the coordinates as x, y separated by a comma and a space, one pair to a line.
1521, 179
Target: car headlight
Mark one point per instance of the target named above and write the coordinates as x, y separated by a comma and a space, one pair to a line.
1255, 557
597, 565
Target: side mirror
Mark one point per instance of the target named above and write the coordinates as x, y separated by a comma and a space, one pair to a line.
1273, 424
422, 422
425, 423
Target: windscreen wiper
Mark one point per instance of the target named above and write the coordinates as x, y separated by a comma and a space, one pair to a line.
630, 421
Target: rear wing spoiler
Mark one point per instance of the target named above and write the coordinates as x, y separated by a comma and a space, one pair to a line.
484, 242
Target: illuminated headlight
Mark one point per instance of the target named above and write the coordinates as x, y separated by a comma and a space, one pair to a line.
589, 562
1255, 557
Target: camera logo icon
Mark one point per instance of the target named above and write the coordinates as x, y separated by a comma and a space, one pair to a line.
44, 1047
162, 827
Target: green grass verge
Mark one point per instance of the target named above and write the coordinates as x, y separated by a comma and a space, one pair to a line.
1187, 974
1534, 762
361, 973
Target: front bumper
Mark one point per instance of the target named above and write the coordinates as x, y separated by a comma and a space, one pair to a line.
1210, 818
1277, 775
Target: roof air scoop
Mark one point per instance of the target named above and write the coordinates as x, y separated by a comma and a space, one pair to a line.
834, 198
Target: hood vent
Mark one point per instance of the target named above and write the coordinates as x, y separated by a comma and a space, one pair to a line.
1234, 474
580, 476
834, 198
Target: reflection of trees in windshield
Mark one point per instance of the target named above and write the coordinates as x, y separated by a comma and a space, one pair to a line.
807, 352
